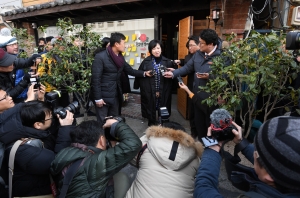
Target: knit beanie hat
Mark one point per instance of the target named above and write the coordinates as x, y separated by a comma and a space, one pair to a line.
7, 40
278, 145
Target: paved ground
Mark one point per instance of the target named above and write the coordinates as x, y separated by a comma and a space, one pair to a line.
132, 112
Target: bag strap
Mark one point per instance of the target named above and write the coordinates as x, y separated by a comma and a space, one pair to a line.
68, 177
11, 164
140, 155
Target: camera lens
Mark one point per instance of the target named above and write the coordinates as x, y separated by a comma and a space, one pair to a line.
72, 107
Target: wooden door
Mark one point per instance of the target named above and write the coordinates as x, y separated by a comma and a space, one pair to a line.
185, 30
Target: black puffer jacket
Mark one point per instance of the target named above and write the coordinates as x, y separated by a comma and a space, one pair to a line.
106, 76
147, 87
32, 164
7, 79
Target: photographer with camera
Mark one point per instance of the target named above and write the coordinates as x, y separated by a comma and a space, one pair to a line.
89, 165
30, 122
8, 65
16, 77
156, 91
275, 155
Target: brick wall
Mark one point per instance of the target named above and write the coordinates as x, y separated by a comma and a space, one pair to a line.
235, 17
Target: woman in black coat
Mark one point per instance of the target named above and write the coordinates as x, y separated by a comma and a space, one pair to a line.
156, 91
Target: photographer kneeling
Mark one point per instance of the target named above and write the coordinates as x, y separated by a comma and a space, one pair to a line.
88, 165
275, 155
32, 162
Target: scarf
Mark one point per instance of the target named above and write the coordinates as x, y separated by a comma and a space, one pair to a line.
118, 60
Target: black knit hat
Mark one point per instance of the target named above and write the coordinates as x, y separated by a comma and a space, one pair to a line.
278, 145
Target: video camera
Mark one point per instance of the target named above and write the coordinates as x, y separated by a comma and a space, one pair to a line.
163, 115
221, 125
52, 100
292, 40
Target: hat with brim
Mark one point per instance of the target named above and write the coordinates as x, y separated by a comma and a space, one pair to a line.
6, 59
7, 40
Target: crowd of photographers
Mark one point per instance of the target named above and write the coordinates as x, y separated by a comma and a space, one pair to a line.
44, 154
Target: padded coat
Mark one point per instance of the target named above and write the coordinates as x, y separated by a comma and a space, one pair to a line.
106, 77
92, 177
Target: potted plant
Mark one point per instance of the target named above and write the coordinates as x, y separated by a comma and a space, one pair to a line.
258, 79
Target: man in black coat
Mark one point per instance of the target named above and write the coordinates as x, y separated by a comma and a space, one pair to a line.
199, 65
32, 164
8, 65
106, 74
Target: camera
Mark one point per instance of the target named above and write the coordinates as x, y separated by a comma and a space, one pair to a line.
292, 40
221, 125
163, 69
52, 100
163, 114
107, 134
36, 82
62, 112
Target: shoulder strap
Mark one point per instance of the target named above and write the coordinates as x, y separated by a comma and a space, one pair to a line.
140, 155
68, 177
11, 163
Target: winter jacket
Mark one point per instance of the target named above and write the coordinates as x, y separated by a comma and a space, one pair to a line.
147, 89
206, 184
32, 164
7, 79
106, 83
198, 63
99, 166
165, 171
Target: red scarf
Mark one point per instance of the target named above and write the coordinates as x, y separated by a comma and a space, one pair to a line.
118, 60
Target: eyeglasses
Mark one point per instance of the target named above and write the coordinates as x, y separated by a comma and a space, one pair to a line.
5, 96
192, 45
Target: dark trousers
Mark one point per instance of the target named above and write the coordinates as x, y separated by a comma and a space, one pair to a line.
107, 110
191, 107
202, 119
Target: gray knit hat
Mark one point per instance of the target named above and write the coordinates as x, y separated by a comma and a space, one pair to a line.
278, 145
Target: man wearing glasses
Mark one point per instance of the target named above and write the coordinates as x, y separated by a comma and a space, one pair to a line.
199, 66
275, 155
32, 119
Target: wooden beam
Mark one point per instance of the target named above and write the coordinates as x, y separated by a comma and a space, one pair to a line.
62, 8
145, 12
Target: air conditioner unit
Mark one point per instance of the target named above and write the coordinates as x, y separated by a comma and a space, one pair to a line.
296, 16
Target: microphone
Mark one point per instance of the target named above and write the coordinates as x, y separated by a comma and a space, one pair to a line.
221, 125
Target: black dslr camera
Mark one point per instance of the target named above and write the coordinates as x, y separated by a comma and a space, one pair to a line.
221, 125
107, 134
52, 100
